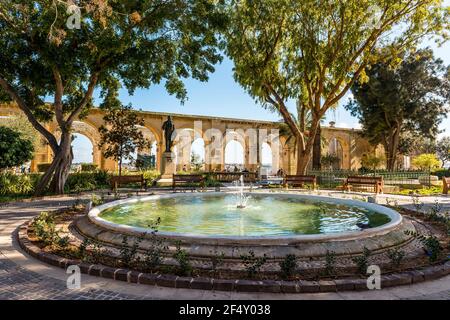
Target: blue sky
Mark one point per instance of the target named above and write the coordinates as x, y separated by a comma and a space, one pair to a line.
222, 96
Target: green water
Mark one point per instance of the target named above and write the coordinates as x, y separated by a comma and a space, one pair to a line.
263, 216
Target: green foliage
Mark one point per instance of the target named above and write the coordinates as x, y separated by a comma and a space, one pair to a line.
431, 245
329, 160
426, 161
128, 255
443, 149
86, 181
11, 184
42, 167
88, 167
441, 173
330, 263
313, 52
288, 266
396, 256
82, 249
362, 261
45, 230
181, 256
404, 98
21, 124
131, 44
372, 161
14, 149
121, 135
252, 263
216, 260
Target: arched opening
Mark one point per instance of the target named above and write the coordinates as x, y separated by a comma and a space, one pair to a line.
198, 155
335, 155
266, 159
83, 150
234, 156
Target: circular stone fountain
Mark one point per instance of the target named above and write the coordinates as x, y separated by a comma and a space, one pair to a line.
275, 224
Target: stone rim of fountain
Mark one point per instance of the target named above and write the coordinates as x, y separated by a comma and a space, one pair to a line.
395, 223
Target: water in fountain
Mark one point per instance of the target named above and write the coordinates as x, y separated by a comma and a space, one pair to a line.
241, 197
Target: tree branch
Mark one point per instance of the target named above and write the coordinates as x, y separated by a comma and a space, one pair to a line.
23, 106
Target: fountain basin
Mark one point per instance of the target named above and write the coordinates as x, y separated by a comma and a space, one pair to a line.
276, 246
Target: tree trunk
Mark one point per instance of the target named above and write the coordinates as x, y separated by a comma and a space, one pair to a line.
59, 169
391, 149
317, 149
305, 148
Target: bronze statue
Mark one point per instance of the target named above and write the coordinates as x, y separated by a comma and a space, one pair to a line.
169, 129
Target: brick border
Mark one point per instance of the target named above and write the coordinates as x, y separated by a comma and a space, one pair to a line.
241, 285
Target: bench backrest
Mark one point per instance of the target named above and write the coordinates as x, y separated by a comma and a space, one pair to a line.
187, 178
299, 178
128, 179
364, 180
446, 180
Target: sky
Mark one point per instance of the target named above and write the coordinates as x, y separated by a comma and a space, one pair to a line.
222, 96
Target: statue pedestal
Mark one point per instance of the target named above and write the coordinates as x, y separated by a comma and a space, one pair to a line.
167, 166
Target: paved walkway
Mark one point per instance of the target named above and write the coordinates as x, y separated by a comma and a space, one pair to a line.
23, 277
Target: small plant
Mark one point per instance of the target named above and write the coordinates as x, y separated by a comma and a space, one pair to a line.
418, 205
330, 263
96, 200
96, 252
62, 242
396, 256
252, 263
81, 252
44, 228
434, 212
362, 261
128, 255
431, 245
288, 266
216, 260
182, 258
153, 256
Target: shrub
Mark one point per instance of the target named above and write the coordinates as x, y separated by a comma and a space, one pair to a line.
288, 266
426, 161
42, 167
252, 263
88, 167
431, 245
11, 184
128, 255
216, 260
182, 258
362, 261
396, 256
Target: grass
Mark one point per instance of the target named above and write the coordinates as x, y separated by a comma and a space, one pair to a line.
436, 190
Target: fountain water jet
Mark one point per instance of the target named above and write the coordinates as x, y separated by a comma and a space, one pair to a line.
241, 197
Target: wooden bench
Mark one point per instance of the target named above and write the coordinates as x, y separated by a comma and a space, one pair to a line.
116, 181
376, 182
299, 180
188, 180
446, 184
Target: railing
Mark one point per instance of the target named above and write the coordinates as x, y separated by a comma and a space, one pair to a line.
233, 176
333, 178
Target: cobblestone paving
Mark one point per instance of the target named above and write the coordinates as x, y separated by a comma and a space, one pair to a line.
17, 283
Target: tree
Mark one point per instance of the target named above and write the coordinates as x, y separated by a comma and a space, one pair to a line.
426, 161
407, 100
372, 162
65, 49
443, 150
21, 124
313, 51
196, 161
14, 149
121, 136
